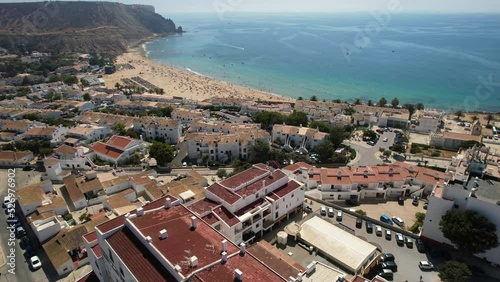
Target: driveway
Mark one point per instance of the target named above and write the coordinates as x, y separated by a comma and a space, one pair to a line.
370, 155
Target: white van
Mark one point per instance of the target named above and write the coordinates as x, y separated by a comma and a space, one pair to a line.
331, 213
339, 215
323, 210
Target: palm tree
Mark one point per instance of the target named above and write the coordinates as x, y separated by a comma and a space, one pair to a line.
459, 114
490, 117
420, 106
314, 98
357, 101
370, 103
382, 102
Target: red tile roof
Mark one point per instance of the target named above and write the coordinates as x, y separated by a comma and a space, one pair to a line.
182, 241
251, 268
243, 177
250, 207
257, 185
90, 237
296, 166
104, 149
120, 142
284, 190
203, 206
210, 219
226, 216
111, 224
278, 261
138, 259
223, 194
97, 251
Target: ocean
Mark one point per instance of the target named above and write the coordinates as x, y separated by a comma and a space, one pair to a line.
446, 61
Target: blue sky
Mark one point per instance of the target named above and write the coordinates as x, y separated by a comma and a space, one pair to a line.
435, 6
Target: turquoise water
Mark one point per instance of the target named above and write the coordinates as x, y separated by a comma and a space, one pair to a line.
439, 60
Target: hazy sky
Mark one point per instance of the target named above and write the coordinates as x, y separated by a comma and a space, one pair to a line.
440, 6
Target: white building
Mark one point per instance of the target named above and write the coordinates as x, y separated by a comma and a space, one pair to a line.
163, 128
49, 133
303, 138
19, 158
426, 121
118, 149
250, 202
88, 132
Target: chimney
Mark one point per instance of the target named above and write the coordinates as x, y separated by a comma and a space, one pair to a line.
238, 275
193, 261
311, 267
299, 276
163, 234
242, 248
168, 203
149, 239
140, 211
224, 245
193, 222
224, 257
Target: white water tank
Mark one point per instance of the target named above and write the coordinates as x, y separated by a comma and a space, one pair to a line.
282, 238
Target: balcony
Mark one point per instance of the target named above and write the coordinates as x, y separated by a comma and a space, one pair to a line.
267, 224
248, 236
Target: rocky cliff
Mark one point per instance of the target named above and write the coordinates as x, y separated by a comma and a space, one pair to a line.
103, 27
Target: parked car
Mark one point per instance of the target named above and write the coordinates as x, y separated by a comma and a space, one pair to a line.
369, 227
386, 273
420, 245
323, 210
425, 265
388, 234
378, 230
359, 222
20, 232
6, 200
307, 208
401, 201
390, 265
398, 221
35, 262
339, 215
426, 205
400, 239
387, 257
409, 241
386, 219
24, 242
385, 139
415, 201
331, 212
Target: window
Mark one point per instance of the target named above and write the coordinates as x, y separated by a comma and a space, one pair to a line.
276, 215
257, 195
121, 272
111, 256
292, 195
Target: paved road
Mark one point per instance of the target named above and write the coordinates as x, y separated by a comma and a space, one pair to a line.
182, 151
22, 270
369, 155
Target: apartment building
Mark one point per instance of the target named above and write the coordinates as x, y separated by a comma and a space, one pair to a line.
297, 137
248, 204
156, 127
88, 132
223, 147
165, 241
118, 149
357, 183
427, 121
54, 134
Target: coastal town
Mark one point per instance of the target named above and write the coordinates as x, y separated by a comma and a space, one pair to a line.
122, 169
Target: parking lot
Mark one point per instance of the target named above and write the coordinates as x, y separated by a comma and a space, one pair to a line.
407, 258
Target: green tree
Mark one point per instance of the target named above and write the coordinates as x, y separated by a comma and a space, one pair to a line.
420, 216
131, 133
357, 101
26, 81
321, 125
314, 98
87, 97
420, 106
221, 173
398, 148
117, 85
382, 102
387, 154
454, 271
349, 111
119, 128
297, 118
361, 212
57, 96
490, 118
268, 119
239, 166
162, 152
459, 114
411, 108
369, 133
395, 102
338, 101
300, 98
469, 231
324, 150
370, 103
338, 135
259, 152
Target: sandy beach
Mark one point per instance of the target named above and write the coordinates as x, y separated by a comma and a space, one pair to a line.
181, 83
